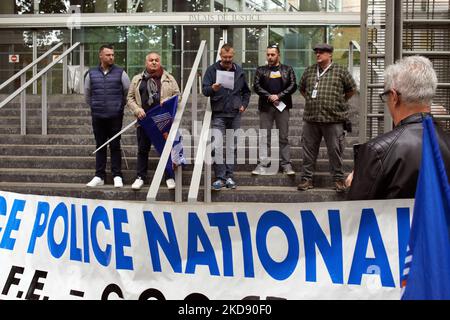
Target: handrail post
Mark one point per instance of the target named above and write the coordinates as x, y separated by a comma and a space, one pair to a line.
65, 71
23, 107
208, 163
179, 184
194, 104
44, 104
34, 58
81, 68
157, 177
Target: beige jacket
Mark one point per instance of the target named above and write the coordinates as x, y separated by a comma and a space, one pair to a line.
169, 88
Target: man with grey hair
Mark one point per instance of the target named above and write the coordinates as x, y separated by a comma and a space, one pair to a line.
387, 166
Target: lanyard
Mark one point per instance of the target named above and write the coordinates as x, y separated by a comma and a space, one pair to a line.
320, 75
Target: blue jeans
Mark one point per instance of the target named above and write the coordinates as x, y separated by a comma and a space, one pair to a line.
223, 168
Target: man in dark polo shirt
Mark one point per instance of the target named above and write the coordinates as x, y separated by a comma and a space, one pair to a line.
326, 87
274, 83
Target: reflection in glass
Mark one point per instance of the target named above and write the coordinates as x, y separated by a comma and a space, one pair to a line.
192, 6
296, 45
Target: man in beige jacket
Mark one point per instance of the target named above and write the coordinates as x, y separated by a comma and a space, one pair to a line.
147, 90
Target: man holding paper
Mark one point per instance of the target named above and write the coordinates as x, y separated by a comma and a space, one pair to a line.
224, 82
274, 83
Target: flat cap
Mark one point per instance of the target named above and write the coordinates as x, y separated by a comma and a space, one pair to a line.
323, 47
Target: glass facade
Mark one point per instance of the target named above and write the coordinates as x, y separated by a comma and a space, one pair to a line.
117, 6
177, 43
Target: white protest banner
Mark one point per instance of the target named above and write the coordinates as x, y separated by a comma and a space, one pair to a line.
69, 248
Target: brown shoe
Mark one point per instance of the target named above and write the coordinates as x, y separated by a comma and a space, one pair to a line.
339, 186
305, 185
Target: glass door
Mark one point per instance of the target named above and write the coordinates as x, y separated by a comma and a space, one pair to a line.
249, 45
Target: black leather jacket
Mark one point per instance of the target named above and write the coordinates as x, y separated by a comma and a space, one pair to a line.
387, 167
261, 83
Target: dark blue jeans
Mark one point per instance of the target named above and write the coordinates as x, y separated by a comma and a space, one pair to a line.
223, 167
104, 129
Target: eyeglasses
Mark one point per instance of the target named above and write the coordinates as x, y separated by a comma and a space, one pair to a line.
383, 96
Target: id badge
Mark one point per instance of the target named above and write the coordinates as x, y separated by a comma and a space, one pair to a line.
314, 94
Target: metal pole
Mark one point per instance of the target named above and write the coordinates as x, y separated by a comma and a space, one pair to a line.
207, 186
64, 75
179, 184
23, 107
81, 68
211, 45
398, 34
182, 58
194, 101
34, 59
389, 49
363, 72
44, 104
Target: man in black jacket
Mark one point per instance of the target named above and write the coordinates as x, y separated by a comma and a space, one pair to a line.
274, 83
387, 167
227, 105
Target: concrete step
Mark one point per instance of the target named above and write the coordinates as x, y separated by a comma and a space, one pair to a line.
81, 162
82, 176
241, 194
61, 163
246, 121
131, 150
295, 132
128, 138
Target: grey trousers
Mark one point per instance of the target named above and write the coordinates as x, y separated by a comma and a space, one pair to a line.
334, 136
281, 119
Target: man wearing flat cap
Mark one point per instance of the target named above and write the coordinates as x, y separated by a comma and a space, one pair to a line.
326, 87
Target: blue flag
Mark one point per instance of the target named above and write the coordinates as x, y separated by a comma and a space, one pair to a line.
157, 126
426, 273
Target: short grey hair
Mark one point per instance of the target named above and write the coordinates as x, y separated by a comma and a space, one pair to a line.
152, 52
414, 78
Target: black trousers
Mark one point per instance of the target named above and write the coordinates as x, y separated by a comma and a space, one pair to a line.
144, 145
104, 129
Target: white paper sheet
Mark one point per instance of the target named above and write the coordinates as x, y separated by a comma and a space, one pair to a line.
225, 78
281, 106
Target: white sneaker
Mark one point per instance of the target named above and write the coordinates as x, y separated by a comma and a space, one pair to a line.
95, 182
170, 184
118, 183
137, 184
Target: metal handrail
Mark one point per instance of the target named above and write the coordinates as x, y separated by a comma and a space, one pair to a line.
28, 67
154, 187
21, 90
352, 46
203, 153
